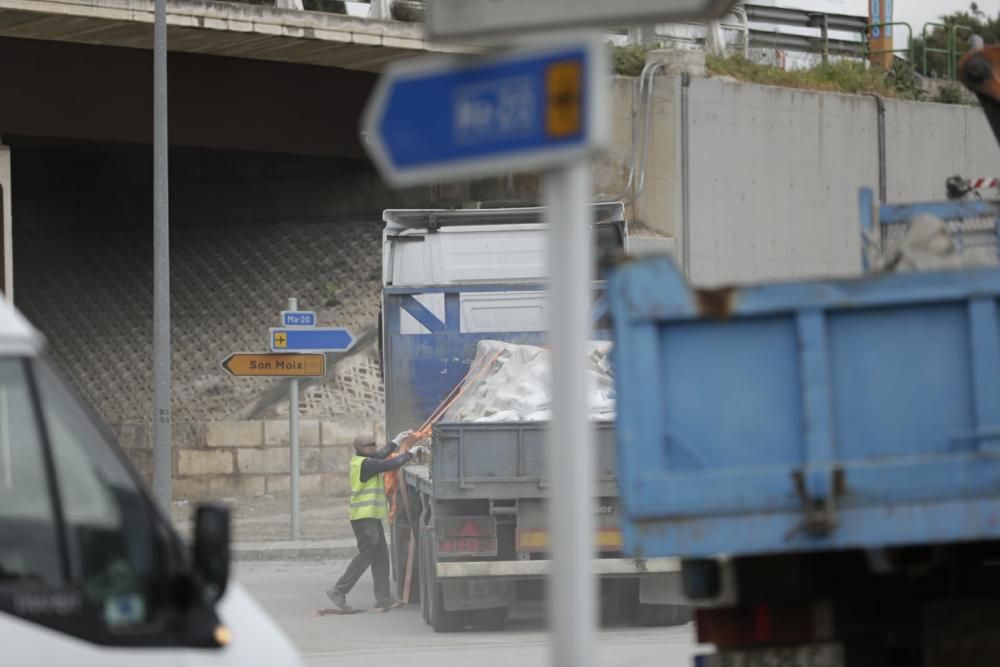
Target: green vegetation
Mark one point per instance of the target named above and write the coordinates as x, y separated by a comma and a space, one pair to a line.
949, 94
843, 77
629, 60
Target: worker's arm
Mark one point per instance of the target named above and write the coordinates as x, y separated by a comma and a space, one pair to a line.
383, 453
371, 467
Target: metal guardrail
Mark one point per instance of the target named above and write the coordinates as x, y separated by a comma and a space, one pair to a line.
804, 18
951, 51
908, 49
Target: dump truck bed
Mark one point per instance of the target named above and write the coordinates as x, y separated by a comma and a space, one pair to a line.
806, 416
500, 461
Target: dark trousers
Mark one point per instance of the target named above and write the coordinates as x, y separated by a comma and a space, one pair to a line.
373, 551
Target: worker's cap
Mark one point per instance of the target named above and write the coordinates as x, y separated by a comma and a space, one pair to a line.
363, 441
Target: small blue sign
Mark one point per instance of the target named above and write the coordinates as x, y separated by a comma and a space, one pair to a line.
298, 318
434, 119
311, 340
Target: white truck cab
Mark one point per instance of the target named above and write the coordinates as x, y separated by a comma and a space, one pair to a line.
467, 246
91, 572
440, 248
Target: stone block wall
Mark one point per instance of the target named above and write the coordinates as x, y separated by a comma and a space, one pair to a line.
240, 459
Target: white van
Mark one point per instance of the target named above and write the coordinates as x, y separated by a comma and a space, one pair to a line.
91, 573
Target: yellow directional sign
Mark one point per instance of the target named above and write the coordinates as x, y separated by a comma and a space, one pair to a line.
248, 364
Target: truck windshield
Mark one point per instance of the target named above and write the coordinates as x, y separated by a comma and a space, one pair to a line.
28, 545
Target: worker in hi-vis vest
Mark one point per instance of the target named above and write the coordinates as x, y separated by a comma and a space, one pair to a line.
368, 507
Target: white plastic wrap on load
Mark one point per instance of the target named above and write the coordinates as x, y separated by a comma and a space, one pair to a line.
927, 245
510, 383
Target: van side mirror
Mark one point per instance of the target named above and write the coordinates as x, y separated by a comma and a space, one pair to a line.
211, 549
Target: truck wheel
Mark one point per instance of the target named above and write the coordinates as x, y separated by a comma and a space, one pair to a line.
423, 560
442, 620
400, 540
490, 620
424, 597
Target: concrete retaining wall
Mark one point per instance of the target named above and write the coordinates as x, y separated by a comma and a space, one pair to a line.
774, 172
249, 458
927, 143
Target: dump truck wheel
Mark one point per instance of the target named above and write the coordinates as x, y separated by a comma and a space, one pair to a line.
490, 620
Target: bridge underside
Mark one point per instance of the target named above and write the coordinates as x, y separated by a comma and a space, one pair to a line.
221, 29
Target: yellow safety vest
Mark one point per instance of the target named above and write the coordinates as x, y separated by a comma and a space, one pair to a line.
368, 499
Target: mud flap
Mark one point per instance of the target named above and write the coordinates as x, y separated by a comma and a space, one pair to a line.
468, 594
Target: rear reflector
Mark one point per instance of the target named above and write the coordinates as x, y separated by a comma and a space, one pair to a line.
764, 624
608, 539
476, 526
467, 546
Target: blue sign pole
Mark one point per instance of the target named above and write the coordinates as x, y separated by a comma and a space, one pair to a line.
438, 119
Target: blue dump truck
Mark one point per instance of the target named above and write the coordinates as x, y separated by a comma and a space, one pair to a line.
470, 532
824, 457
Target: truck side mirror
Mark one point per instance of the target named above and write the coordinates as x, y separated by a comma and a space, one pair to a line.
211, 549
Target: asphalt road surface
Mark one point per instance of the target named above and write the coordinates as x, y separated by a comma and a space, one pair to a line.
293, 591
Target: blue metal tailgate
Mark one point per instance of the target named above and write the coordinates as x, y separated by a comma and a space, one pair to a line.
806, 416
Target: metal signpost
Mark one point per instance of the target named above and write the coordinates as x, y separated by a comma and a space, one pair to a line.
162, 441
536, 108
298, 333
293, 441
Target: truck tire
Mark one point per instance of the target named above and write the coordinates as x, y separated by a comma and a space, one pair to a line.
432, 592
425, 597
490, 620
442, 620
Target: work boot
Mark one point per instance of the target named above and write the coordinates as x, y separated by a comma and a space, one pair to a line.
339, 599
387, 605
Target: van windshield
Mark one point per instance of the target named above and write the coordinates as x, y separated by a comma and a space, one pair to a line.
28, 540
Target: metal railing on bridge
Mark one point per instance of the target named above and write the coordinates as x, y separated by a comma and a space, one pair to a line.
759, 27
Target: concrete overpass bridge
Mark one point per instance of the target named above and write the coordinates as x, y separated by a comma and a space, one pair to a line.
271, 194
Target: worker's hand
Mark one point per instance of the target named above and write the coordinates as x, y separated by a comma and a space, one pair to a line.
398, 441
419, 451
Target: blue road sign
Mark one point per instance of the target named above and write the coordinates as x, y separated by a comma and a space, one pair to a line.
311, 340
298, 318
434, 119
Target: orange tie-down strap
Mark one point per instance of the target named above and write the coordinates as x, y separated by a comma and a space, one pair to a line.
391, 479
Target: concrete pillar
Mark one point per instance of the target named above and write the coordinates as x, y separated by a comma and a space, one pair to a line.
6, 219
